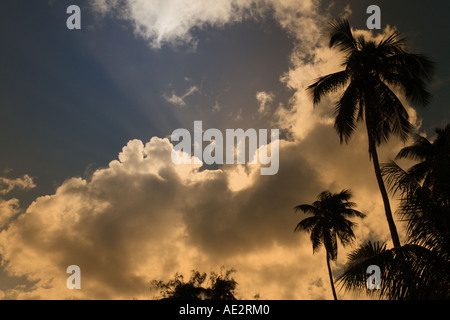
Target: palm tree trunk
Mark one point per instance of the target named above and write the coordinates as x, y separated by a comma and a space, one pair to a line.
331, 277
387, 207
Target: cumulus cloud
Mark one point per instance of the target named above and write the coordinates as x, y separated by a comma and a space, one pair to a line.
8, 209
11, 208
143, 218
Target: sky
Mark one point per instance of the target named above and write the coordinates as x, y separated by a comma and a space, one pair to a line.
86, 176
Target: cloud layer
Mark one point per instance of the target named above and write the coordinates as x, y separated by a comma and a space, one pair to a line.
145, 218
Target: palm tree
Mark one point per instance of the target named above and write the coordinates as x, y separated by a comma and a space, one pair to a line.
419, 269
371, 69
329, 222
424, 189
433, 167
408, 272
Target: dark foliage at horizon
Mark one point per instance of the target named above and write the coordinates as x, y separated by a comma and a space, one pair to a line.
221, 286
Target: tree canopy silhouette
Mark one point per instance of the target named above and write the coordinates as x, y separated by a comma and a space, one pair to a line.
221, 286
371, 72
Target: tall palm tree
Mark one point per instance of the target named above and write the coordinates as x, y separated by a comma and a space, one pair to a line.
419, 269
371, 72
425, 190
329, 222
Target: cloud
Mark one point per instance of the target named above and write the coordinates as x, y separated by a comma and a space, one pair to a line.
24, 183
162, 22
180, 100
142, 218
238, 117
347, 12
172, 22
264, 99
216, 107
11, 208
8, 209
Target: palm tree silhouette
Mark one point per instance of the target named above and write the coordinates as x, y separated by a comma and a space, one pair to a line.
425, 190
409, 272
432, 170
370, 69
419, 269
328, 222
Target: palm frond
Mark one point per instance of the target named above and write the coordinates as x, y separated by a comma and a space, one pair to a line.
344, 196
398, 179
341, 36
327, 84
407, 272
330, 243
413, 87
428, 220
306, 208
307, 224
317, 237
420, 65
346, 111
344, 231
396, 114
420, 150
323, 197
408, 72
391, 116
348, 212
421, 172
